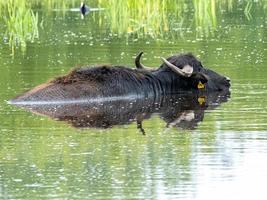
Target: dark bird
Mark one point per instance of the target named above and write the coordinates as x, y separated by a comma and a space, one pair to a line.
84, 9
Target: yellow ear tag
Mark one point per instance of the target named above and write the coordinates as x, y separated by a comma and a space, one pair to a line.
201, 100
200, 85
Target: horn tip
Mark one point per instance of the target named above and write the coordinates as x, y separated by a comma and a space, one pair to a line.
163, 59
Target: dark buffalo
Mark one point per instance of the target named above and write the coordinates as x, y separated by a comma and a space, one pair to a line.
181, 73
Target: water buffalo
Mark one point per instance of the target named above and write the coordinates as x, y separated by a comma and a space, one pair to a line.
179, 73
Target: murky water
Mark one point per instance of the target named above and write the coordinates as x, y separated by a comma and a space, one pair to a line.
222, 157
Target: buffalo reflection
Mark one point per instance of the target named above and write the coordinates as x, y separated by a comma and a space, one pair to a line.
180, 110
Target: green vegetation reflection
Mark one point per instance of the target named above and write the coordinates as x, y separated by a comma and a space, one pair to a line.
21, 23
159, 19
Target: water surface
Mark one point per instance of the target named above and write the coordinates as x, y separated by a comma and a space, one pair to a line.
223, 157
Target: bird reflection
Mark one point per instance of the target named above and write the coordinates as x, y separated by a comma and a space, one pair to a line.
180, 111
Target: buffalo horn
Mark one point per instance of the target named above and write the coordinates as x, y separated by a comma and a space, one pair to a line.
137, 62
186, 71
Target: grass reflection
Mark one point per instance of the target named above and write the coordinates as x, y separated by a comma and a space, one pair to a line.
158, 19
143, 18
205, 17
21, 23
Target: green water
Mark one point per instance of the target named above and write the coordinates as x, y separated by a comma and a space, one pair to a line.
223, 158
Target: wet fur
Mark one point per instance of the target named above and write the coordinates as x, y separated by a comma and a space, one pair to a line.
99, 74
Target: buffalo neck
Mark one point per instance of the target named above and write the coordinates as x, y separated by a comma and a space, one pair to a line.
165, 81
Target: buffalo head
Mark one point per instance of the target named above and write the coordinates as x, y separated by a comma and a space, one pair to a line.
187, 66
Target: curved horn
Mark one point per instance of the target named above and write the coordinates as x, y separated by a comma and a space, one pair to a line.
186, 71
137, 61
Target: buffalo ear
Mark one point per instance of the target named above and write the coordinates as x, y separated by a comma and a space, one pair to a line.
198, 80
200, 77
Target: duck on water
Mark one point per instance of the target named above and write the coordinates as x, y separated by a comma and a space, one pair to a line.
84, 9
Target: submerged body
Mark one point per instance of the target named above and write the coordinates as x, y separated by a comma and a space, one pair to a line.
178, 110
120, 81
